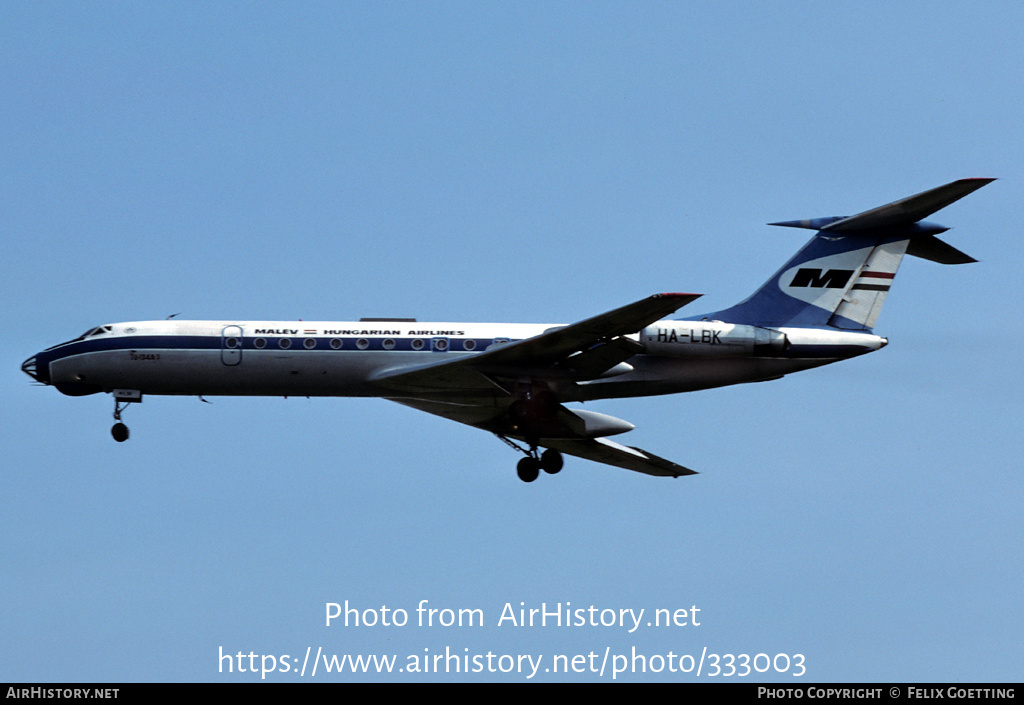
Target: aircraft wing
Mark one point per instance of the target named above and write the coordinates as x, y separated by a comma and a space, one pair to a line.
555, 345
586, 349
471, 390
600, 450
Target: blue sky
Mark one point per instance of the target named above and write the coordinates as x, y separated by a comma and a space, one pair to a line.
528, 162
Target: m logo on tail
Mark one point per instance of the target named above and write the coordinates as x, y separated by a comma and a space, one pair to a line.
832, 279
849, 287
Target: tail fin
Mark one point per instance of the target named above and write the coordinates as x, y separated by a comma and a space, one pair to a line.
842, 276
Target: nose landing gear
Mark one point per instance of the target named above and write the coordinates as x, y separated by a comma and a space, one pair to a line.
119, 431
122, 398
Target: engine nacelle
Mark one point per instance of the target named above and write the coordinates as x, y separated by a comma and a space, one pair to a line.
710, 338
591, 424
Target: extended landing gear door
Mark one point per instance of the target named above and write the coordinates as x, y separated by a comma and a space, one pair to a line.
231, 345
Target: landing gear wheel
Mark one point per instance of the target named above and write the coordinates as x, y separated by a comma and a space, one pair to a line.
119, 431
551, 461
528, 469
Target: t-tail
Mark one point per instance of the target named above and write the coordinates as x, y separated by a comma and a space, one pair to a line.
841, 277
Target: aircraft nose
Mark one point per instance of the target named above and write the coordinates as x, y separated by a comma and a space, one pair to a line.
31, 368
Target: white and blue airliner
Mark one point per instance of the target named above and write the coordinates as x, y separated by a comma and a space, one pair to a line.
516, 380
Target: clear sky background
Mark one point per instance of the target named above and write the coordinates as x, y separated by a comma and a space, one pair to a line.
507, 161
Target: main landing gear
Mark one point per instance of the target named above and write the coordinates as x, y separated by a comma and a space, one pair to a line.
528, 469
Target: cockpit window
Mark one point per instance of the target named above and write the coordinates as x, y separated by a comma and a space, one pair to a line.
100, 330
87, 334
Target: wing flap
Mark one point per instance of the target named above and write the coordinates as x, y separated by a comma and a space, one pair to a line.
602, 450
597, 360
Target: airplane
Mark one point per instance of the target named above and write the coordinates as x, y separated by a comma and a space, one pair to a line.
514, 380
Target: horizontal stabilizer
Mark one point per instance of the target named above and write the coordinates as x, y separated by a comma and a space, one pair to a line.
905, 215
907, 211
932, 248
903, 212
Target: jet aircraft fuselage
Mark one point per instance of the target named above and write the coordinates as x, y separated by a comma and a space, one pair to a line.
346, 359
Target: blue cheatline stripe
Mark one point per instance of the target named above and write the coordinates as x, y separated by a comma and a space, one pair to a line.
349, 344
272, 343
